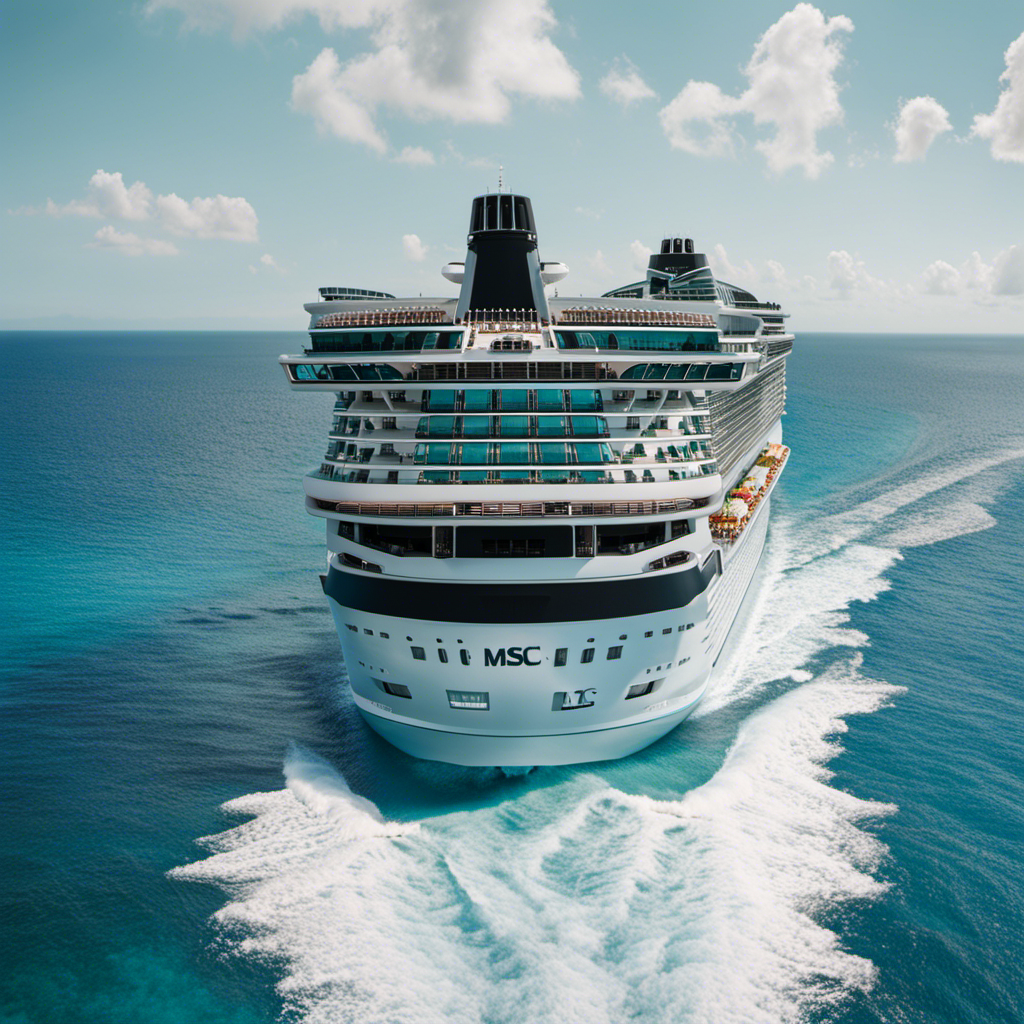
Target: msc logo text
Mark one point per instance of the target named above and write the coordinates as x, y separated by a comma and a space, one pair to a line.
511, 656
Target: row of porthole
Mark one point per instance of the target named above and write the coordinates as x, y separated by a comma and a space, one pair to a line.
561, 653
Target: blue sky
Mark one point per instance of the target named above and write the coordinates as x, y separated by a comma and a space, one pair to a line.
206, 163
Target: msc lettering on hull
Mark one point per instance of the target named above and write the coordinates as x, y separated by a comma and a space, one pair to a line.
511, 656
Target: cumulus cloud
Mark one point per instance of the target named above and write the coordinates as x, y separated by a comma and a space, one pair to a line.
641, 254
599, 265
320, 92
413, 248
417, 156
1008, 272
107, 196
792, 87
920, 122
229, 217
723, 267
941, 278
131, 244
1004, 276
624, 84
847, 274
454, 61
1004, 127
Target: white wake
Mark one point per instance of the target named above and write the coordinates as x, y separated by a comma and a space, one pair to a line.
578, 902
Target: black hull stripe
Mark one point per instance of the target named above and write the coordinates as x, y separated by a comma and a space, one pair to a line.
518, 602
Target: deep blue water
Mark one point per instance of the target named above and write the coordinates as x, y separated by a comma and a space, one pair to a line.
836, 836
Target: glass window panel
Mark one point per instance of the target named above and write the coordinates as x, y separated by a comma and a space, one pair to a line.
555, 476
588, 452
442, 426
514, 453
439, 453
476, 426
549, 399
443, 400
514, 400
551, 426
473, 477
556, 453
585, 426
475, 454
514, 426
478, 400
584, 400
696, 371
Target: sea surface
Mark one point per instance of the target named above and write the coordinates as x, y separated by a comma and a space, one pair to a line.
195, 825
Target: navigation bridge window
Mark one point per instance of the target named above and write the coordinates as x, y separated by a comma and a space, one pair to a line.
640, 341
386, 341
683, 371
305, 372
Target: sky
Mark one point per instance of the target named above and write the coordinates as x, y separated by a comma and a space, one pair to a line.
208, 164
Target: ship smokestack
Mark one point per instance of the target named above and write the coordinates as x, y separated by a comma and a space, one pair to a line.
503, 270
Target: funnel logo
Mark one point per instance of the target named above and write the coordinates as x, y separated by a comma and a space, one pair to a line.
511, 656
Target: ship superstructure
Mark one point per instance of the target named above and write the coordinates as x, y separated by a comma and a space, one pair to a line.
542, 513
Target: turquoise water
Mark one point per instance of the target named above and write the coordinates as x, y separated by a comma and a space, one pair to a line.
834, 837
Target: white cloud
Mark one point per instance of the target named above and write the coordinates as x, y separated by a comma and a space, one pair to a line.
847, 274
792, 87
107, 196
775, 273
432, 59
722, 266
228, 217
1008, 272
624, 84
413, 248
320, 92
267, 262
417, 156
1004, 276
599, 265
921, 121
1004, 127
641, 255
941, 278
131, 244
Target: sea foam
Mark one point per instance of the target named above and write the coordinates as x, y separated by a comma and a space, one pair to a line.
576, 901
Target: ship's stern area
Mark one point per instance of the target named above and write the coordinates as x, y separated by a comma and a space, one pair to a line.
525, 694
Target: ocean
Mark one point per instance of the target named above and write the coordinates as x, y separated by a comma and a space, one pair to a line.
197, 826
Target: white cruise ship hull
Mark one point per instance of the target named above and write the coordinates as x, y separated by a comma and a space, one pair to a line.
539, 712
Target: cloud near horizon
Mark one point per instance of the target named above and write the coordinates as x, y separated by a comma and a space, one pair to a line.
792, 88
231, 218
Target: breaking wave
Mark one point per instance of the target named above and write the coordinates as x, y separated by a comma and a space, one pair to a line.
577, 901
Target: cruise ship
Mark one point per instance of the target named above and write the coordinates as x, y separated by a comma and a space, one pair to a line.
542, 513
